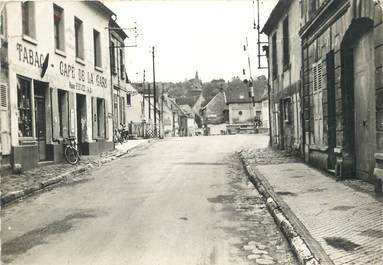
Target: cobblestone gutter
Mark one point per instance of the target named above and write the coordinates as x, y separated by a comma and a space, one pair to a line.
267, 156
18, 186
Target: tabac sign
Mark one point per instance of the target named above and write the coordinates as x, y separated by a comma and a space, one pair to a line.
78, 78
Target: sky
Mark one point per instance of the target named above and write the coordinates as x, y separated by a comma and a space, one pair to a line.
189, 36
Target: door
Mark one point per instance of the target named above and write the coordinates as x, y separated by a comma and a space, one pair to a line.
40, 125
364, 100
81, 120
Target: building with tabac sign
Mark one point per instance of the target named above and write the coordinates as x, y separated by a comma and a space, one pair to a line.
55, 80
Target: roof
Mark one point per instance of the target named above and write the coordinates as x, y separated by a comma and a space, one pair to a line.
116, 28
237, 95
100, 6
241, 94
278, 12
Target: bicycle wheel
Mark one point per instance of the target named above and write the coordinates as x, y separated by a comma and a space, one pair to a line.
71, 155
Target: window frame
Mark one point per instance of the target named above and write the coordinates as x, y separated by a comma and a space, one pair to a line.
317, 108
31, 108
274, 58
286, 44
79, 38
59, 28
28, 27
97, 49
128, 100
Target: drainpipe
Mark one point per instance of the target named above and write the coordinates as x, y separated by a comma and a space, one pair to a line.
111, 75
266, 49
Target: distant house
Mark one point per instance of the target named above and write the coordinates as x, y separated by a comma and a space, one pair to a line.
215, 114
194, 98
240, 105
190, 121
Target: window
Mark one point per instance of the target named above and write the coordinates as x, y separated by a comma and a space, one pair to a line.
28, 18
287, 110
97, 48
63, 112
129, 100
286, 48
274, 55
2, 22
113, 57
58, 19
79, 38
317, 103
24, 104
122, 67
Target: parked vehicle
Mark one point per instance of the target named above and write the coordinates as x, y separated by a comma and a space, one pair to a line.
71, 153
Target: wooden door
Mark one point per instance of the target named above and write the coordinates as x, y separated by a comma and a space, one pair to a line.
40, 126
364, 101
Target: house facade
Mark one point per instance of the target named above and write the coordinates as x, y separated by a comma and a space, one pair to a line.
284, 74
341, 88
343, 78
55, 80
121, 95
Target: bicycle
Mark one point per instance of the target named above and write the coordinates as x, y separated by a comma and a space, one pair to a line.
71, 153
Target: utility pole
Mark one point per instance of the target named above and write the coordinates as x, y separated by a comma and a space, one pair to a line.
149, 101
154, 95
143, 93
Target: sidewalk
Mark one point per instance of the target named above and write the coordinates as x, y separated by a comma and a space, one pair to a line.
16, 186
344, 219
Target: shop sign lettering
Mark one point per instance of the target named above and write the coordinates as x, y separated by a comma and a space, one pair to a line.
30, 56
69, 71
80, 87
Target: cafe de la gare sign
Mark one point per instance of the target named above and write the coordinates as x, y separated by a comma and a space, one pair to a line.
78, 78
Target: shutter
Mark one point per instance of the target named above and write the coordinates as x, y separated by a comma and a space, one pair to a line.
94, 118
106, 119
320, 106
3, 96
55, 114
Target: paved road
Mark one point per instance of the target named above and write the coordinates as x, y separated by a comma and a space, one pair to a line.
180, 201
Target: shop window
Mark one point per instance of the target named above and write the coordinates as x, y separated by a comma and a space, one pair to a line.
63, 112
113, 57
59, 30
274, 55
122, 67
286, 44
317, 103
129, 100
28, 18
287, 110
97, 48
100, 118
24, 104
79, 38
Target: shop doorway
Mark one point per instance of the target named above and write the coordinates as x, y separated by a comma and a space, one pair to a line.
81, 120
358, 90
40, 89
364, 100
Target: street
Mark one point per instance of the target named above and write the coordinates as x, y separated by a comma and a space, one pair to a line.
179, 201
